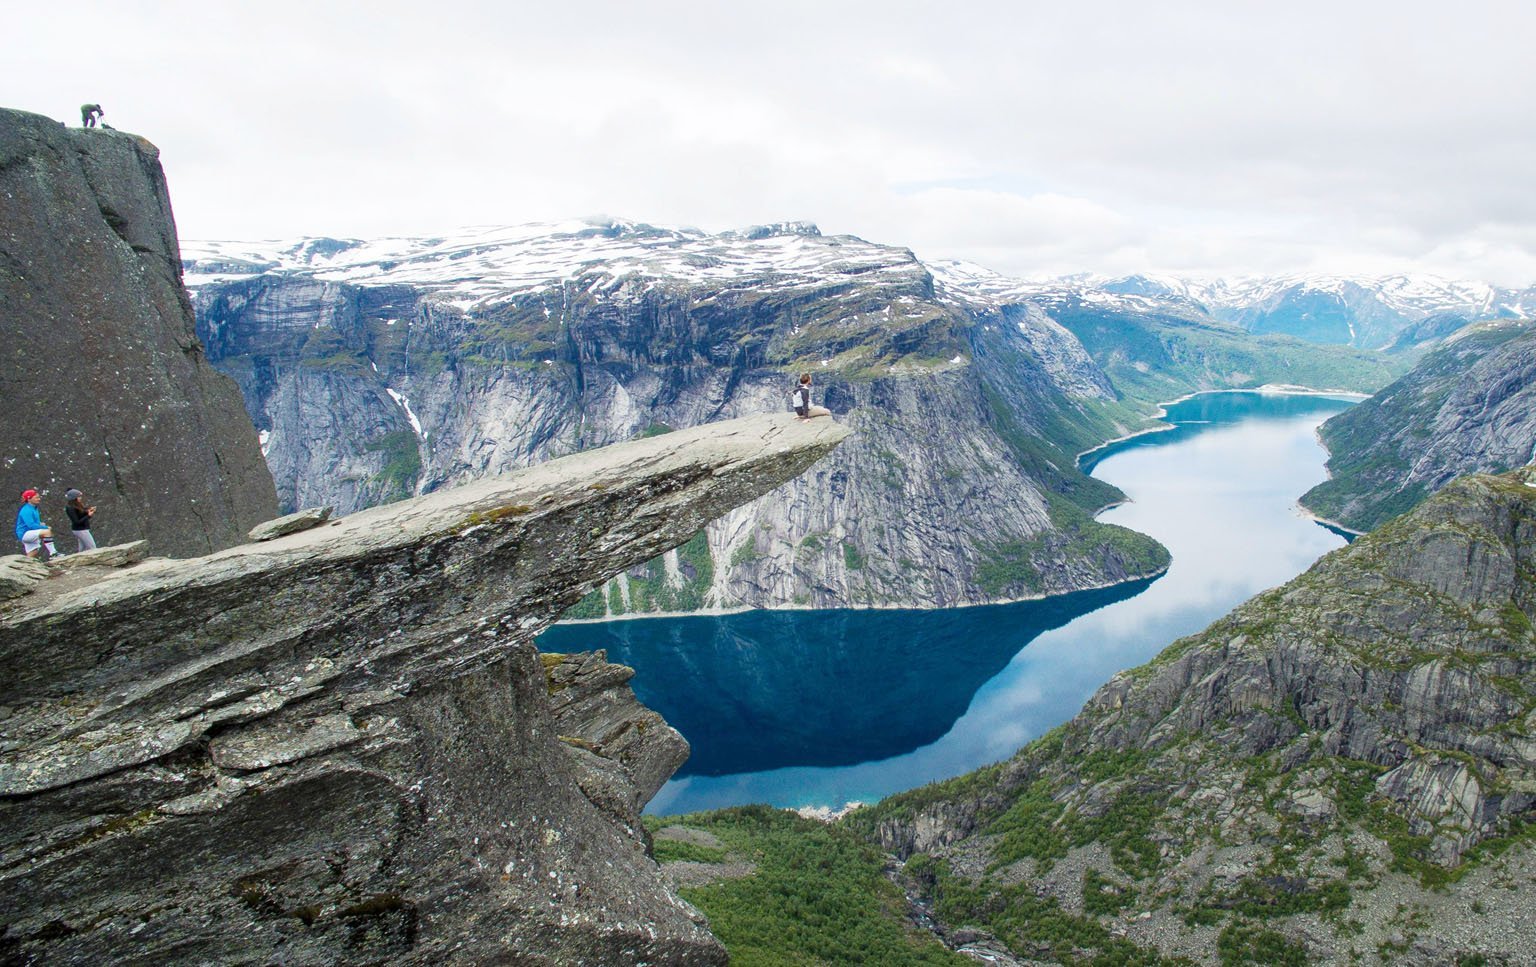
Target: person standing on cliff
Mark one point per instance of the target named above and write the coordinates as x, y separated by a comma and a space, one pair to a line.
30, 529
79, 519
801, 397
89, 113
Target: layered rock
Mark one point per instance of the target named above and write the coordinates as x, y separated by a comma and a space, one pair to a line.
1468, 407
382, 369
106, 386
338, 746
1293, 778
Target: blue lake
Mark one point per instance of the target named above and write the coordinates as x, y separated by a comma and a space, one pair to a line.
823, 708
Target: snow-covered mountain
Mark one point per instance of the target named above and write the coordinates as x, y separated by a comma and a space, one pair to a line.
481, 266
1368, 312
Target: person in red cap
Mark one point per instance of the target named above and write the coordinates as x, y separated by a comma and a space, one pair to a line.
30, 529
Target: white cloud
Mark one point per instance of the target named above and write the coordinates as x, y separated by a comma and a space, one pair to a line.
1186, 136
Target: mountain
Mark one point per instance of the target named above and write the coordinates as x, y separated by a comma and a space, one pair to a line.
1342, 768
1465, 407
378, 369
1365, 312
105, 384
1157, 343
341, 746
508, 346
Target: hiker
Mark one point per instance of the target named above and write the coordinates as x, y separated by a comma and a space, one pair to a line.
79, 519
89, 113
30, 529
801, 397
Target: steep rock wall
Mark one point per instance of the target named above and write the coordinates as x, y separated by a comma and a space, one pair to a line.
104, 379
958, 488
1469, 406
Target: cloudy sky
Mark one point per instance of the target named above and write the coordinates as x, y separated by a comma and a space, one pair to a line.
1211, 138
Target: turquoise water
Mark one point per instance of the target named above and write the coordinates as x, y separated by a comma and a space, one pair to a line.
823, 708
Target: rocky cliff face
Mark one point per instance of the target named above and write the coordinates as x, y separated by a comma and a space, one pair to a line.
377, 370
105, 383
341, 746
1342, 768
1470, 406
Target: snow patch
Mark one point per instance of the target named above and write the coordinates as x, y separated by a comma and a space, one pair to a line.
410, 415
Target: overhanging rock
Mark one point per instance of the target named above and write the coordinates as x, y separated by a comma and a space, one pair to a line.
338, 744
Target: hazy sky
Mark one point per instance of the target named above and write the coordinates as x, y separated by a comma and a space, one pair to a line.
1035, 138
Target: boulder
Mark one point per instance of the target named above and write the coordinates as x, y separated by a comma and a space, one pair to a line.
289, 524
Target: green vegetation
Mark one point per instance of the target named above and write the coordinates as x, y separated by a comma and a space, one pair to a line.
1158, 357
852, 559
1015, 567
673, 850
655, 429
1244, 944
651, 591
819, 895
1035, 926
402, 464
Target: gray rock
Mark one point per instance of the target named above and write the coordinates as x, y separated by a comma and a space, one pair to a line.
117, 555
20, 575
137, 419
341, 747
289, 524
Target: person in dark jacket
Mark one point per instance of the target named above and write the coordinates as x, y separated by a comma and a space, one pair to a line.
79, 519
801, 398
89, 113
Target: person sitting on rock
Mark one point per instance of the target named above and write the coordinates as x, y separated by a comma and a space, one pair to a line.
89, 113
30, 529
801, 398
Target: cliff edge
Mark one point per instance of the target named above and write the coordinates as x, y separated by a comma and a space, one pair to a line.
104, 381
340, 746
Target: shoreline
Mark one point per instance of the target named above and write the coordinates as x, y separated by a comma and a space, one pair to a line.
1276, 389
1273, 389
723, 612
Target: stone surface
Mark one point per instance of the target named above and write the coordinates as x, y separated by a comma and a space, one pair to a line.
118, 555
301, 520
20, 575
105, 383
338, 746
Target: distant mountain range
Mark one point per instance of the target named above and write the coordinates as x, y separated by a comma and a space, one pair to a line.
1389, 312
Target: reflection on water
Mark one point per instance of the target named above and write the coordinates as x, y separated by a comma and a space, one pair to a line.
803, 708
821, 688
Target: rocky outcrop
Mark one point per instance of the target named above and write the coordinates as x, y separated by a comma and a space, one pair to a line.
624, 752
1468, 407
340, 746
105, 382
1294, 777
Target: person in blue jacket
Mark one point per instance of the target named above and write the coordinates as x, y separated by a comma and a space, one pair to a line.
30, 529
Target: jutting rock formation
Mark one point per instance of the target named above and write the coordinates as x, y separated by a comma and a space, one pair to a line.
340, 745
1343, 767
104, 381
